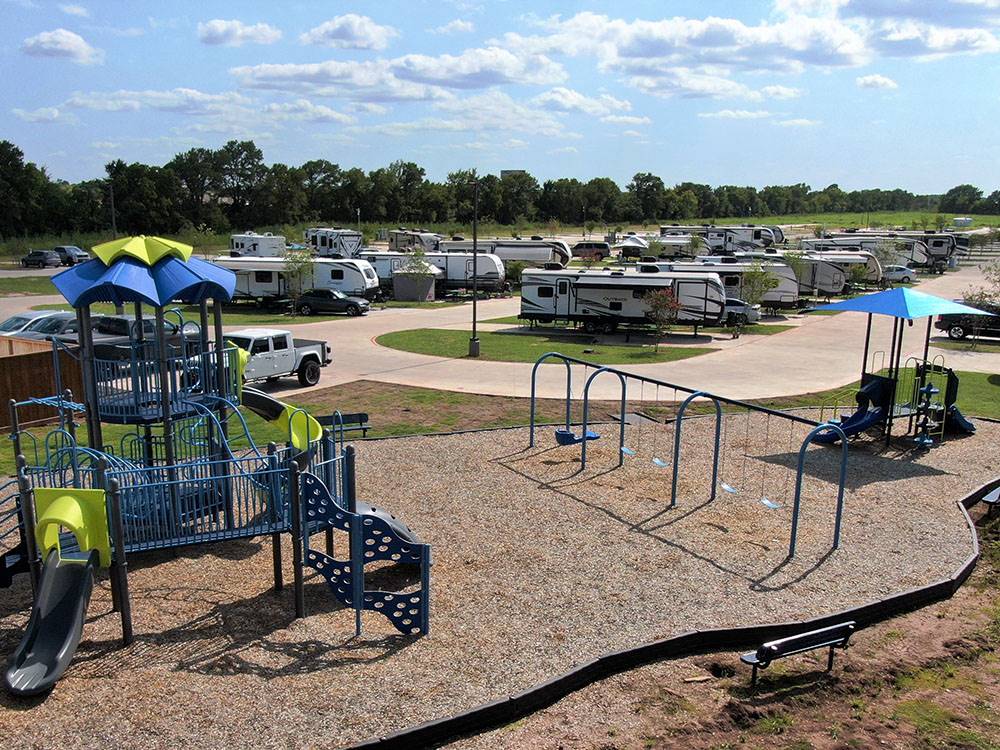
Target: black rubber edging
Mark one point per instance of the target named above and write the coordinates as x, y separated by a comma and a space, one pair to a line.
503, 711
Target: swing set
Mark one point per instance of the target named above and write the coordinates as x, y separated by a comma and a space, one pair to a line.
721, 476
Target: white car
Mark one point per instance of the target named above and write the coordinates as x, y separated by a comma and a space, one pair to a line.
739, 312
900, 274
17, 323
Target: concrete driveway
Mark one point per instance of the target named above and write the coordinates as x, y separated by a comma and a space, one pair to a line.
822, 352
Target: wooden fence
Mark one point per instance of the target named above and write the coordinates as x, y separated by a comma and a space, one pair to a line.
32, 374
11, 345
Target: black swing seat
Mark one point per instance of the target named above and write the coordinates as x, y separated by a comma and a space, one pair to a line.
834, 636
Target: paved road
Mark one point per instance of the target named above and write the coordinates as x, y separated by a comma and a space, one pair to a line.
12, 272
822, 352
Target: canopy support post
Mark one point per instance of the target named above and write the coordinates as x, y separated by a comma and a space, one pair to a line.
864, 357
94, 437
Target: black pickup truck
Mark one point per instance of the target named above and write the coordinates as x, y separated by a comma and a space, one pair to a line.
960, 326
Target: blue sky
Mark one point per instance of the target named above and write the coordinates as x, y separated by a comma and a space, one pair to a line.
864, 93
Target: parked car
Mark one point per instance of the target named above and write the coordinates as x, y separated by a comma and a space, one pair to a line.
70, 255
117, 326
898, 274
41, 259
960, 325
275, 354
17, 323
58, 324
740, 313
596, 250
332, 301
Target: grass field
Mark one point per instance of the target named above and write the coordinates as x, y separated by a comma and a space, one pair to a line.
513, 347
26, 285
984, 346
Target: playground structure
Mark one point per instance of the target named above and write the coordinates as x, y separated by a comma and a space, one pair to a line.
920, 391
720, 467
185, 472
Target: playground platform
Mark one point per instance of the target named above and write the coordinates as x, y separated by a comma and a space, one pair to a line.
538, 568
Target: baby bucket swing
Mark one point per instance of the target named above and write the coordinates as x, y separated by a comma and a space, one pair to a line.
565, 435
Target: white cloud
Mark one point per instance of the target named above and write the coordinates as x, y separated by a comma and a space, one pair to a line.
780, 92
914, 39
798, 122
735, 114
62, 43
626, 120
568, 100
477, 68
368, 81
74, 10
181, 100
565, 150
875, 81
350, 31
42, 114
632, 133
303, 109
514, 143
236, 33
458, 26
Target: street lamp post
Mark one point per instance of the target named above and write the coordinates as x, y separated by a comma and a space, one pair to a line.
474, 340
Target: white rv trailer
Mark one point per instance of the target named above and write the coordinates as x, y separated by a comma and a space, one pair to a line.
906, 251
604, 299
815, 275
265, 245
334, 241
457, 269
530, 251
941, 246
724, 236
408, 240
264, 279
849, 259
731, 271
681, 245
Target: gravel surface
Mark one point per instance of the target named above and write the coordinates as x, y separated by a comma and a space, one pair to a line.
536, 567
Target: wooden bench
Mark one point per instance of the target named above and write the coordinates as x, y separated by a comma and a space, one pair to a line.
349, 422
835, 636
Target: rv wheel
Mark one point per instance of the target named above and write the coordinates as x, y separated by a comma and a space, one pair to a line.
590, 326
309, 373
610, 327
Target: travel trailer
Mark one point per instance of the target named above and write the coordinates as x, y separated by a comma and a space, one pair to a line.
334, 241
264, 279
731, 270
601, 300
256, 245
941, 246
407, 240
537, 251
680, 246
729, 237
906, 250
457, 269
848, 259
815, 275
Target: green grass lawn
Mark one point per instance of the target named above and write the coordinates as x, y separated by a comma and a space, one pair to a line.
26, 285
515, 347
984, 346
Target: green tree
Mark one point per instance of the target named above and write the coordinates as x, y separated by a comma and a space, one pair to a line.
241, 174
647, 191
757, 281
960, 199
197, 172
519, 194
321, 180
662, 309
298, 272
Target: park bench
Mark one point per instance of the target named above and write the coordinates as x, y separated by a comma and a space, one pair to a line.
835, 636
350, 422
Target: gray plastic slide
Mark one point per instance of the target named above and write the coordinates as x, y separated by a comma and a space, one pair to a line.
55, 626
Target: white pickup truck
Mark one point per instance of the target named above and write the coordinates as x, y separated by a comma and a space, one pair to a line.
275, 354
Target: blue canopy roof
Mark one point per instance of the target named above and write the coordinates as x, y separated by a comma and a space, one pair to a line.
903, 303
128, 280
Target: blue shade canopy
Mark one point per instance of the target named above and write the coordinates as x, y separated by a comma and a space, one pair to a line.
903, 303
128, 280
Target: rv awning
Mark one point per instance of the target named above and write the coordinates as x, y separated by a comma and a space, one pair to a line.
131, 280
905, 303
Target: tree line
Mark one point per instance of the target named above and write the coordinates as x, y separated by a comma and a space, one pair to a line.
231, 188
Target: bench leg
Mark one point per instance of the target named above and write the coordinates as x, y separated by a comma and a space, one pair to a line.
829, 661
753, 678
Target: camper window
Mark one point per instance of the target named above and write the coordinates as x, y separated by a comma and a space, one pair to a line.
337, 274
731, 280
615, 306
280, 343
370, 273
262, 277
260, 347
546, 291
563, 287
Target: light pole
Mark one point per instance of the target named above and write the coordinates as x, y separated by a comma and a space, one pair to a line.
359, 218
474, 341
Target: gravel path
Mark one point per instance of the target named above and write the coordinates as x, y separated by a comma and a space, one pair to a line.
536, 568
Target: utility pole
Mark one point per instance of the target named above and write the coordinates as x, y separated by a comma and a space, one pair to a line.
359, 218
474, 341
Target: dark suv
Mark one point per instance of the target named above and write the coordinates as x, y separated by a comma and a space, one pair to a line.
70, 255
330, 300
41, 259
959, 325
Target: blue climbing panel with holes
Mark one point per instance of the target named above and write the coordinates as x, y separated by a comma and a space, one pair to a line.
380, 537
